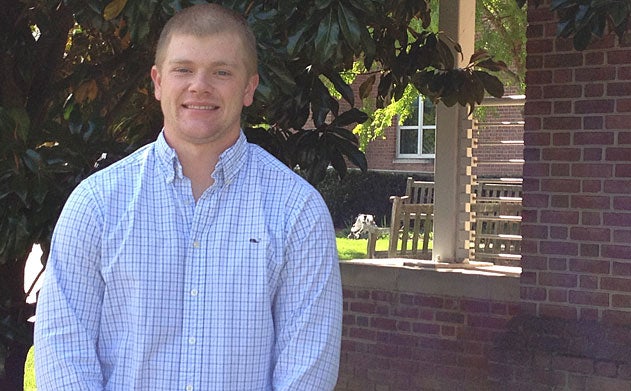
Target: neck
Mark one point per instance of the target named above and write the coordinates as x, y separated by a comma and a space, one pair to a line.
198, 160
198, 163
198, 168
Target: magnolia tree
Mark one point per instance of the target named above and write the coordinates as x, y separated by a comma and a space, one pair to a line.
75, 95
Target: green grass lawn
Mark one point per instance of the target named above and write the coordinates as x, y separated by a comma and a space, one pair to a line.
29, 373
356, 248
348, 249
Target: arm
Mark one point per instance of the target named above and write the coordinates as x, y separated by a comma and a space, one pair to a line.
69, 304
308, 305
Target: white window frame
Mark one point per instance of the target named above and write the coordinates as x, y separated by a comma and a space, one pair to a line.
420, 127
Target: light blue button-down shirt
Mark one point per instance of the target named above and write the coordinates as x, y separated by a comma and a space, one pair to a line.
147, 290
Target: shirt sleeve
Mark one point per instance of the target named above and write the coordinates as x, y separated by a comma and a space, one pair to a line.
308, 305
69, 303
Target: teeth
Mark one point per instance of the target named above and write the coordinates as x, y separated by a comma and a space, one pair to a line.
201, 107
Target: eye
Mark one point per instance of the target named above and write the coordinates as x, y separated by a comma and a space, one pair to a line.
223, 72
182, 70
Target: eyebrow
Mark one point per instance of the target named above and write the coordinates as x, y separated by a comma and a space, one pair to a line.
188, 62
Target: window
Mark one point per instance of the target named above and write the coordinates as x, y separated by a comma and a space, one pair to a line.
416, 136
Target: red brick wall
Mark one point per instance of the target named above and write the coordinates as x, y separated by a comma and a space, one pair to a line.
577, 177
574, 331
490, 156
556, 354
381, 155
403, 340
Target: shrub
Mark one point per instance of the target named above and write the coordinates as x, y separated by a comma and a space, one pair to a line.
360, 192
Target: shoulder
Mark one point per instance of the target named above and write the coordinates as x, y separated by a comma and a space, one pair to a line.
113, 182
283, 191
122, 169
275, 175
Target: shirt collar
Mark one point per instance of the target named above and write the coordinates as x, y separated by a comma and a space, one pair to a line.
231, 161
226, 170
167, 159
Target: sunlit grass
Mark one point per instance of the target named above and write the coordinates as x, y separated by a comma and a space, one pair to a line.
356, 248
29, 373
348, 249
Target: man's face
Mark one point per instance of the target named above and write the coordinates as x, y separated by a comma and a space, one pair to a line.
202, 86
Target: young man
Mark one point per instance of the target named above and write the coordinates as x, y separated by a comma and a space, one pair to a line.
199, 262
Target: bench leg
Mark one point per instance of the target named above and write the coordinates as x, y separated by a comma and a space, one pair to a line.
372, 243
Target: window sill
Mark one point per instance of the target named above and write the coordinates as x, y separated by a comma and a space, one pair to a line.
412, 160
428, 277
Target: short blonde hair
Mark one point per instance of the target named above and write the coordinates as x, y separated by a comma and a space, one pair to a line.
209, 19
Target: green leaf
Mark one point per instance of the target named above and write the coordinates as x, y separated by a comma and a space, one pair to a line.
370, 48
351, 28
353, 154
477, 87
39, 191
342, 133
619, 13
385, 84
478, 56
322, 4
32, 160
351, 116
365, 5
281, 75
492, 84
342, 87
582, 38
21, 121
295, 42
322, 103
326, 39
338, 162
445, 56
113, 9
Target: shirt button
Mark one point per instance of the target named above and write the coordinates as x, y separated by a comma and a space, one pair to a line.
191, 340
194, 292
196, 244
189, 388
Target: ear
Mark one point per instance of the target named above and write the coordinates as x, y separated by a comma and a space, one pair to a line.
157, 82
248, 95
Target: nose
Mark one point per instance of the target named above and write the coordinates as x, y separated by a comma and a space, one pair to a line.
201, 83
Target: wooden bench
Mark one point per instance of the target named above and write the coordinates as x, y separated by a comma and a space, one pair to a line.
419, 192
409, 232
498, 232
486, 190
422, 192
496, 226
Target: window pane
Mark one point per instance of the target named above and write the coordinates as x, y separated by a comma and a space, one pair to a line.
429, 112
408, 144
429, 141
412, 119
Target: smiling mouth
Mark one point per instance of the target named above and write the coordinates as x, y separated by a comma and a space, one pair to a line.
198, 107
